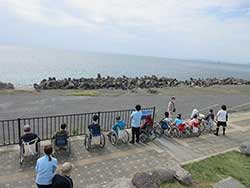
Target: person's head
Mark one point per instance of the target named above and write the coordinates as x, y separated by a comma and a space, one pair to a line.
166, 114
173, 98
195, 116
178, 116
26, 129
66, 168
118, 118
211, 110
95, 118
63, 126
48, 150
224, 107
138, 107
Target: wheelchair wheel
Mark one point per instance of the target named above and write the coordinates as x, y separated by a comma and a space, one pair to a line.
68, 149
187, 132
87, 142
143, 136
151, 133
39, 150
202, 126
102, 140
21, 154
113, 138
175, 132
158, 130
125, 137
199, 132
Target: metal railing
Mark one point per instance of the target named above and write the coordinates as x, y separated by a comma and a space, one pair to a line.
45, 127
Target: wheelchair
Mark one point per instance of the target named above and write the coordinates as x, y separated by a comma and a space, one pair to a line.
26, 146
147, 134
162, 128
95, 132
121, 137
61, 143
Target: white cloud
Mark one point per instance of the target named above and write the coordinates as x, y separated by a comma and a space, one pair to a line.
186, 21
171, 15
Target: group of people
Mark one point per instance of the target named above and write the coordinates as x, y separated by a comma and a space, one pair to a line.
220, 118
46, 166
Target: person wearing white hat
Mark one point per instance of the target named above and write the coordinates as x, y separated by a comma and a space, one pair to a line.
63, 180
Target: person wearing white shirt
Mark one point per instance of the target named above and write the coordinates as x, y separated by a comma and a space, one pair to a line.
135, 123
222, 118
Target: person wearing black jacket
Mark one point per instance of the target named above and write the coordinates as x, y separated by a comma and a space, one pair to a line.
63, 180
29, 136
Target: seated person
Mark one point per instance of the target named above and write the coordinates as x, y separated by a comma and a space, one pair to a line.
94, 127
63, 180
61, 137
120, 124
195, 111
195, 122
178, 121
148, 122
28, 136
167, 121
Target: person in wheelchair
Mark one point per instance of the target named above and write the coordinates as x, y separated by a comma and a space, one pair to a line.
119, 125
61, 137
148, 125
194, 123
166, 122
29, 138
94, 127
178, 121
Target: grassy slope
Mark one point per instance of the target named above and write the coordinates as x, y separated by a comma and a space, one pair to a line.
216, 168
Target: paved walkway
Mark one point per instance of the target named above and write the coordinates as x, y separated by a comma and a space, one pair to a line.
101, 166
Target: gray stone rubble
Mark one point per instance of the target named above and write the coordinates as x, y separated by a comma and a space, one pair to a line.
127, 83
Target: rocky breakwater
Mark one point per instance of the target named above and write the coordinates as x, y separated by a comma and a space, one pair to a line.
127, 83
6, 85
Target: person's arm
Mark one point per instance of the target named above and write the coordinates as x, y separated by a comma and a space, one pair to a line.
218, 113
131, 116
227, 117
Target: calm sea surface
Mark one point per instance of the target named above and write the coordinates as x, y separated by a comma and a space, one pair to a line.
23, 66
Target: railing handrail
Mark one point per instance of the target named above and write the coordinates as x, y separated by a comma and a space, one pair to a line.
45, 126
72, 114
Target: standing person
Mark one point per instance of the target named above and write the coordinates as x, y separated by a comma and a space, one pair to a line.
135, 123
63, 180
171, 107
45, 168
222, 118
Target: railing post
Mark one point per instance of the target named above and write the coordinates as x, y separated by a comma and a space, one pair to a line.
99, 113
19, 128
154, 114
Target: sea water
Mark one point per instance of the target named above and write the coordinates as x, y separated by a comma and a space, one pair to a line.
25, 66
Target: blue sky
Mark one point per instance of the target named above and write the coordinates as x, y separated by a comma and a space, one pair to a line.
217, 30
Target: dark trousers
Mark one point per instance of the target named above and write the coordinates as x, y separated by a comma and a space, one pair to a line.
44, 186
223, 124
135, 132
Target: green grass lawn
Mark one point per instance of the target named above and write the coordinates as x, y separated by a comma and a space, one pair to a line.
214, 169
